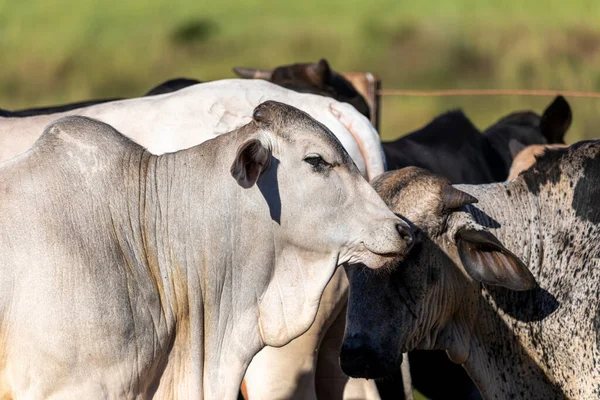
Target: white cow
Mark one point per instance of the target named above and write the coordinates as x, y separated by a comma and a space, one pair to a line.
181, 119
190, 116
130, 275
187, 117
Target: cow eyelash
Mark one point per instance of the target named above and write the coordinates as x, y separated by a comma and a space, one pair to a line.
317, 161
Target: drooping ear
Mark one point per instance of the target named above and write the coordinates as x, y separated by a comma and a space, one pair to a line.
454, 198
515, 147
320, 73
253, 73
486, 260
556, 120
252, 158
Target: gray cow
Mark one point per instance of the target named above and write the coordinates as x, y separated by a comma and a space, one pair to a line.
130, 275
469, 284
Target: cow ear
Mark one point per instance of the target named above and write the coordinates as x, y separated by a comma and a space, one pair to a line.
320, 73
515, 147
486, 260
556, 120
253, 73
252, 158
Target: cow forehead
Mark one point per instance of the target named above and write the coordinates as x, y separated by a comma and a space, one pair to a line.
289, 122
393, 184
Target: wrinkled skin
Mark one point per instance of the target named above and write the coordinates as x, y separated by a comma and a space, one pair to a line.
131, 275
308, 367
508, 286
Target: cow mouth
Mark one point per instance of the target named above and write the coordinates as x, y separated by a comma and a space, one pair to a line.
407, 240
388, 261
385, 254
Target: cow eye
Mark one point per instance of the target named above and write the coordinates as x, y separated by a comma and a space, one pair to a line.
316, 161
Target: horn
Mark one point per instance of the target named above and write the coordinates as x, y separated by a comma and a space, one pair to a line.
454, 198
253, 73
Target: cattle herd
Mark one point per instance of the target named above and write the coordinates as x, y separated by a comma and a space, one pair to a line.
253, 238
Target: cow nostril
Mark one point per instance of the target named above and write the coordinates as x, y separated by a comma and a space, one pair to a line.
406, 234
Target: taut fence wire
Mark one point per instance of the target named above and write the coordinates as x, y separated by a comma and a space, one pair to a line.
486, 92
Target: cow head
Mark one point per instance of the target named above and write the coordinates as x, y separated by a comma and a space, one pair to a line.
427, 300
321, 213
317, 78
527, 128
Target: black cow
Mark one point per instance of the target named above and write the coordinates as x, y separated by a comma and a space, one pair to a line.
453, 147
171, 85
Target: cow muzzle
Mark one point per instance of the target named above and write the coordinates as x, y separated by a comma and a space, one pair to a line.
360, 360
387, 245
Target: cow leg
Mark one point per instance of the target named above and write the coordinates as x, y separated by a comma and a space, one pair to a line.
361, 389
406, 377
283, 373
330, 380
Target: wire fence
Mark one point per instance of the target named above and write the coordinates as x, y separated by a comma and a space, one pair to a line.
486, 92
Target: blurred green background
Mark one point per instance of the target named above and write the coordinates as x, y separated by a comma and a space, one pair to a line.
66, 50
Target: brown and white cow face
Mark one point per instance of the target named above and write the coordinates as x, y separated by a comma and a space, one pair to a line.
320, 207
423, 298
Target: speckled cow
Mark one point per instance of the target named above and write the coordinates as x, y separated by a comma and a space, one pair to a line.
509, 286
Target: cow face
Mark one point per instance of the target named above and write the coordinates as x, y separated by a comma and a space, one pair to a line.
528, 128
317, 78
416, 303
319, 208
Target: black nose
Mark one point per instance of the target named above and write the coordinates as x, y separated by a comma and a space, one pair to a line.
359, 361
406, 234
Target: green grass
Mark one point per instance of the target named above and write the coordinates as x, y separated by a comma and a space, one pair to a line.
67, 50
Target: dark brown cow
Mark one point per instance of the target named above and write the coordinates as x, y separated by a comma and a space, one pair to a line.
317, 78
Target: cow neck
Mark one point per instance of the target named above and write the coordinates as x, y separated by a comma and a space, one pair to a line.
192, 218
502, 360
